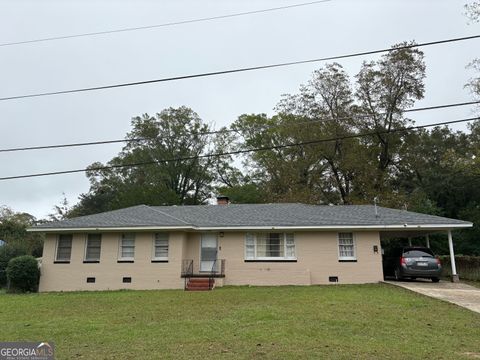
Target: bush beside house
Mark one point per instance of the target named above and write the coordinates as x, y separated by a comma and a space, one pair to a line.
23, 274
8, 252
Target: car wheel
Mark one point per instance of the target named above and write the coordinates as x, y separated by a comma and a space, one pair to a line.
435, 279
398, 277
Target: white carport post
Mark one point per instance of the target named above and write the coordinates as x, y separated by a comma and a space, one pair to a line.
427, 238
452, 257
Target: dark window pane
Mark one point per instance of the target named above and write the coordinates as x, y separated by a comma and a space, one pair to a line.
412, 253
64, 247
94, 243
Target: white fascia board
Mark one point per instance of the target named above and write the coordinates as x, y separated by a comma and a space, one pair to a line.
233, 228
113, 229
341, 227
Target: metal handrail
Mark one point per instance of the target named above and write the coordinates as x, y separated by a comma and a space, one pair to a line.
187, 270
214, 272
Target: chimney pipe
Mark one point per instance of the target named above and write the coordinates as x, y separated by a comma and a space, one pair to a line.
223, 200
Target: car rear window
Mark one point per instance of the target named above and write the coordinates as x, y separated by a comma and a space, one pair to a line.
410, 253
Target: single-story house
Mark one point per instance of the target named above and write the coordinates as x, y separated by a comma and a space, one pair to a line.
169, 247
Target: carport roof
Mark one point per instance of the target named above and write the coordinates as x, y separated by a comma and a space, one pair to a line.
254, 216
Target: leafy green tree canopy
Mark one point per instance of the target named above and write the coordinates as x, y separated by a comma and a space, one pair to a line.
174, 133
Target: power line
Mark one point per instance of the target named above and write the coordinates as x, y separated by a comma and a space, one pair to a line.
104, 142
238, 70
183, 22
237, 152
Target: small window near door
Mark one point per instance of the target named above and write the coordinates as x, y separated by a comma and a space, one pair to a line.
64, 248
346, 247
160, 247
93, 247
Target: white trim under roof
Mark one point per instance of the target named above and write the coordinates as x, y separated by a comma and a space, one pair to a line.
233, 228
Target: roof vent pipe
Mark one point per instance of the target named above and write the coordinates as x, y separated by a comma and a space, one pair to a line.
375, 200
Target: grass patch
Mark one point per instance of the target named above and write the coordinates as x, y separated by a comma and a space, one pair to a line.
335, 322
472, 283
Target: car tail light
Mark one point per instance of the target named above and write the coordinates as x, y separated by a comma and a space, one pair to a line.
438, 261
403, 261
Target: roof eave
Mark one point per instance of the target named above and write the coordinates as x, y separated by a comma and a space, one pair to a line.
280, 227
107, 228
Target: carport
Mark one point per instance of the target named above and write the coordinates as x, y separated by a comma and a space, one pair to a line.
424, 231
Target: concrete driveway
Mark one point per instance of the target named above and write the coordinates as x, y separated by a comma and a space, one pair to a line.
461, 294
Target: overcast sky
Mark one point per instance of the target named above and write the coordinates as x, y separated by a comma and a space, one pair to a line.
326, 29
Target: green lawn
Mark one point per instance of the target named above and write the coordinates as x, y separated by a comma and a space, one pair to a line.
329, 322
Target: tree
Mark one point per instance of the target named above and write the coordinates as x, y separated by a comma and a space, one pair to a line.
61, 210
343, 169
13, 230
174, 133
385, 89
325, 106
473, 13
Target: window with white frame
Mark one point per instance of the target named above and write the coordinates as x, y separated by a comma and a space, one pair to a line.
93, 247
346, 246
127, 247
64, 247
160, 246
270, 246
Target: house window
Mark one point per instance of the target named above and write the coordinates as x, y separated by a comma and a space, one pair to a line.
64, 248
160, 247
93, 247
270, 246
127, 247
346, 246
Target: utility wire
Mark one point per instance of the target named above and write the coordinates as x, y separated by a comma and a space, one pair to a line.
238, 70
104, 142
237, 152
183, 22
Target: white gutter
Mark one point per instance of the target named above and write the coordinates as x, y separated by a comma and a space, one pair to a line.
233, 228
120, 228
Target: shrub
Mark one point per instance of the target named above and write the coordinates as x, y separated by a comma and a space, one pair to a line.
23, 274
8, 252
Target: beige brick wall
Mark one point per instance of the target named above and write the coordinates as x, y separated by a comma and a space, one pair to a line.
317, 259
109, 273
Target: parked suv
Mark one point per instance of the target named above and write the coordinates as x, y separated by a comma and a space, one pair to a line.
412, 262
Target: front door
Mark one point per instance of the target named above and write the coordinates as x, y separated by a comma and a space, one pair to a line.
208, 251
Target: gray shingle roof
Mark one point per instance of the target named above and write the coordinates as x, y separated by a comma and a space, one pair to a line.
252, 215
